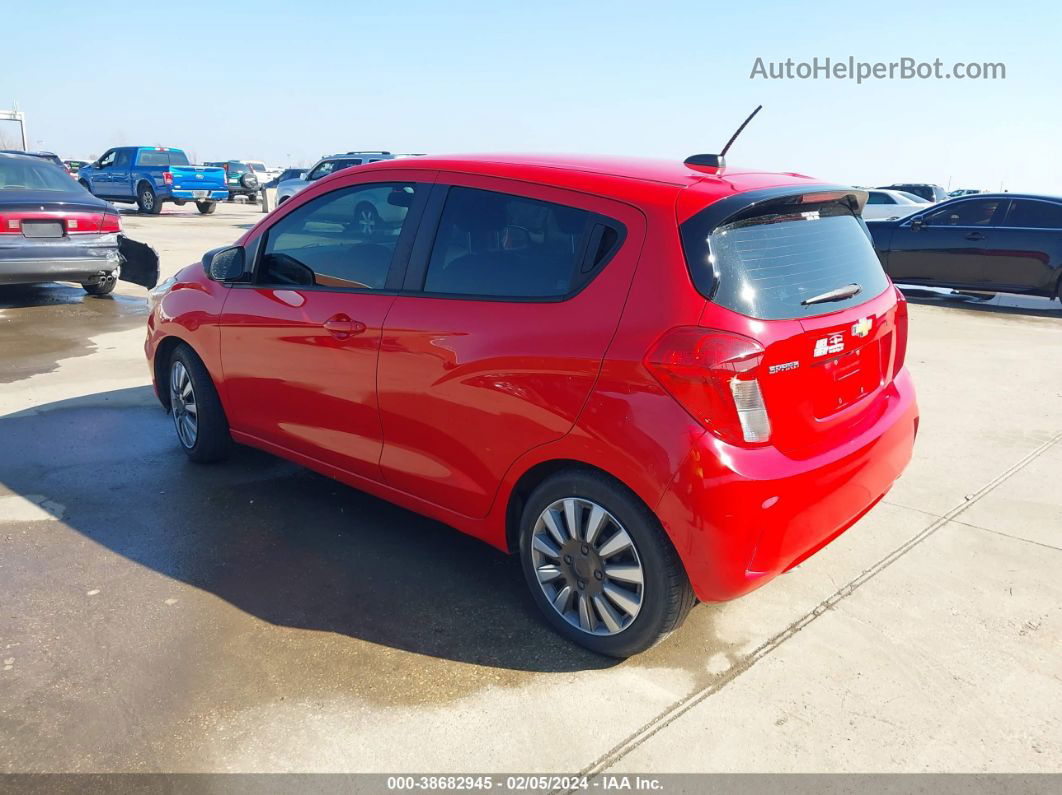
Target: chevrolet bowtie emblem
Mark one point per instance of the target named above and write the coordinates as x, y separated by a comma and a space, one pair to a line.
862, 327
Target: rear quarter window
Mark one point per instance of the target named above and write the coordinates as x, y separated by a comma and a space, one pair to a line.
767, 265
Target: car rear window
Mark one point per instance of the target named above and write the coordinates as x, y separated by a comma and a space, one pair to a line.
25, 174
178, 158
767, 265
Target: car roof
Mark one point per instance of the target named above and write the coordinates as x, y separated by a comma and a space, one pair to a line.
617, 176
1041, 196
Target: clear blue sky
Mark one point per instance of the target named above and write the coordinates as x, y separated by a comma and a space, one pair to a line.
659, 79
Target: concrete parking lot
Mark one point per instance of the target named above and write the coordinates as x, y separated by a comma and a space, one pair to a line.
156, 615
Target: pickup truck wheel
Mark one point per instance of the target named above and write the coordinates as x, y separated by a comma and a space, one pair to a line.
198, 417
146, 200
84, 185
231, 197
104, 286
206, 208
252, 198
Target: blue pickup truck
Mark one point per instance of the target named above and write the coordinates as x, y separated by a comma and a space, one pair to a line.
151, 175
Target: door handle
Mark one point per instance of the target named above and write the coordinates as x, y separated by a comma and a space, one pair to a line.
975, 236
341, 326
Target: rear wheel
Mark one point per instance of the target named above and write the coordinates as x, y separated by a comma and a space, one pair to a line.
206, 208
146, 200
252, 198
599, 565
1058, 291
198, 418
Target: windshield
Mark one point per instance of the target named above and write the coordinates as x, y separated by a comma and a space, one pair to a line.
259, 167
766, 266
35, 174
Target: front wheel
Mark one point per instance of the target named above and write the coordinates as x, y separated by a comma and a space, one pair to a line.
198, 417
599, 565
206, 208
146, 200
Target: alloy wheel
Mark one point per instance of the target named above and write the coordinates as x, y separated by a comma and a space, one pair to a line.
587, 566
183, 406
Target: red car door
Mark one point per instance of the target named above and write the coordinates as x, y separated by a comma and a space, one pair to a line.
523, 287
299, 345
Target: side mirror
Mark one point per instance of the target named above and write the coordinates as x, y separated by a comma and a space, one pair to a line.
917, 224
225, 264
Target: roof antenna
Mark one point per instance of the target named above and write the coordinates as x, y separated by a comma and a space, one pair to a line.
719, 160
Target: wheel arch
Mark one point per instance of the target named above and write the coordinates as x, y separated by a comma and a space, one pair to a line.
535, 476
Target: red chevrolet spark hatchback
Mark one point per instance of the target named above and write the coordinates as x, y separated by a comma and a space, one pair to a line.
655, 382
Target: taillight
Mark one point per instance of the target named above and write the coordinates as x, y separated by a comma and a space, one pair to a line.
167, 177
901, 332
9, 225
713, 375
112, 222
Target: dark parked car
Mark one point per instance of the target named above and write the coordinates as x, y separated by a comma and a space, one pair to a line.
240, 178
52, 229
998, 242
51, 157
928, 191
287, 173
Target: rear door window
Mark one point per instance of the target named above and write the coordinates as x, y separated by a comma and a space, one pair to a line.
768, 265
1034, 215
344, 239
498, 245
150, 158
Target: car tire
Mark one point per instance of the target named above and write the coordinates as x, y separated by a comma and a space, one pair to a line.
282, 199
198, 416
231, 197
1058, 290
601, 569
366, 219
84, 184
206, 208
104, 286
252, 198
147, 201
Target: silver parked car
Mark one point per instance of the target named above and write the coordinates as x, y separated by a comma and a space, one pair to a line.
325, 166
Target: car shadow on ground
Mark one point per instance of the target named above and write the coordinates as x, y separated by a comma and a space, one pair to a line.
998, 303
282, 543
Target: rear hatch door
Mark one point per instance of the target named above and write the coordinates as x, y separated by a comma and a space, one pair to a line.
795, 270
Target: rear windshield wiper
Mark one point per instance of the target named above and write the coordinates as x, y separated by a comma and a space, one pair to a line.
833, 295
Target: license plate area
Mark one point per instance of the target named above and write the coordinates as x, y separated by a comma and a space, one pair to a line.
200, 194
845, 379
48, 229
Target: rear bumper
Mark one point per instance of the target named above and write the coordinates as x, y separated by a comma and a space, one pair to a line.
212, 195
54, 270
739, 517
73, 259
